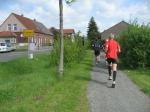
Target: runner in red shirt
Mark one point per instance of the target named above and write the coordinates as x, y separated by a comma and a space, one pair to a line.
112, 50
105, 46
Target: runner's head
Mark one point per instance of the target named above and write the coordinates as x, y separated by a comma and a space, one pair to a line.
112, 36
96, 39
106, 40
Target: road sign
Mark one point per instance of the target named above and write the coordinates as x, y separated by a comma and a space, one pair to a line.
28, 33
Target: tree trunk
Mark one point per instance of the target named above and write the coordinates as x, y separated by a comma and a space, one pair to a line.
61, 63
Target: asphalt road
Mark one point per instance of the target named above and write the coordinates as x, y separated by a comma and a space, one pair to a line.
7, 56
126, 97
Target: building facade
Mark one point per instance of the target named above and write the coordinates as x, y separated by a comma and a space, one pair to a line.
17, 23
68, 33
8, 37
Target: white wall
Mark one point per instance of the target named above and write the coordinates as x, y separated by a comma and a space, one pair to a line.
12, 40
11, 20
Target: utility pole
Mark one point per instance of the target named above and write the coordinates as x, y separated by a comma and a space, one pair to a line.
61, 63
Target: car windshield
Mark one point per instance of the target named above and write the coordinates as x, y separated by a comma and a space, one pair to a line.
8, 45
2, 44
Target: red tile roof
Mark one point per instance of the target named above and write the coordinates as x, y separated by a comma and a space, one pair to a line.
32, 24
7, 34
68, 31
28, 23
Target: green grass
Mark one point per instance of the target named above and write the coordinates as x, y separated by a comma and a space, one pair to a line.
34, 86
22, 48
142, 78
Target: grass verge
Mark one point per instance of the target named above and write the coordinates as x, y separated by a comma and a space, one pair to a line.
22, 48
34, 86
142, 78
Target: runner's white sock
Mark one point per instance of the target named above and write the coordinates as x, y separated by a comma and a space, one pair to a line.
110, 77
114, 82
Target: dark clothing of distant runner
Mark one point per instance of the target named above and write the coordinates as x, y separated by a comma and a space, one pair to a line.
97, 47
97, 52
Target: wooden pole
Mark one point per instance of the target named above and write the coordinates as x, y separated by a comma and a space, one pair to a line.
61, 63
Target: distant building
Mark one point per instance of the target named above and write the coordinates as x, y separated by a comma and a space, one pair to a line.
67, 32
8, 37
116, 30
17, 23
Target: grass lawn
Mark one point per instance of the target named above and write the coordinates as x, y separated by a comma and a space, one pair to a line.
22, 48
142, 78
34, 86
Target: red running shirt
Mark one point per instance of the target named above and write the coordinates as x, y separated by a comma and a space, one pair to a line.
106, 47
112, 49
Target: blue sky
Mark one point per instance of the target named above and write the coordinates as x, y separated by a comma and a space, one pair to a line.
77, 15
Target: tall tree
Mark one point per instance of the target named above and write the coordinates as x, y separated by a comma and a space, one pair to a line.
93, 32
61, 63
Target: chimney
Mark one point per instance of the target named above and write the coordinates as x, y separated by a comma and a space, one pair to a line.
22, 15
34, 19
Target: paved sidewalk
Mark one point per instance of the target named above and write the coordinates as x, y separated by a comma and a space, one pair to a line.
126, 97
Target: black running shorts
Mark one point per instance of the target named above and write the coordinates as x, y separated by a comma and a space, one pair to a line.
97, 52
111, 60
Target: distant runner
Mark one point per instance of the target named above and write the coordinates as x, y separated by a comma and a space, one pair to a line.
97, 48
112, 50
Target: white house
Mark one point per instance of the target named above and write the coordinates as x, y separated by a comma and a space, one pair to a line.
8, 37
17, 23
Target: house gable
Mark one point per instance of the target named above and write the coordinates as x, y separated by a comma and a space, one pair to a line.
11, 19
28, 23
34, 25
116, 30
41, 33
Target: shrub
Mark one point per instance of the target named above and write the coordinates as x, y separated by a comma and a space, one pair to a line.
136, 46
73, 51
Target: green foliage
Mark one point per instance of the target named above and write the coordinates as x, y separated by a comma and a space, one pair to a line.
55, 33
55, 53
73, 51
70, 1
93, 32
135, 46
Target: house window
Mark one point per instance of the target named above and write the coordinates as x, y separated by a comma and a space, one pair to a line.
9, 27
15, 27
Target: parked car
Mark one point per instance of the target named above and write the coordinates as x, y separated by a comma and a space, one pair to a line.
4, 47
13, 47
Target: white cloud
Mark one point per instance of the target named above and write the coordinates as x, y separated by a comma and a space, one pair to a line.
77, 15
115, 11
